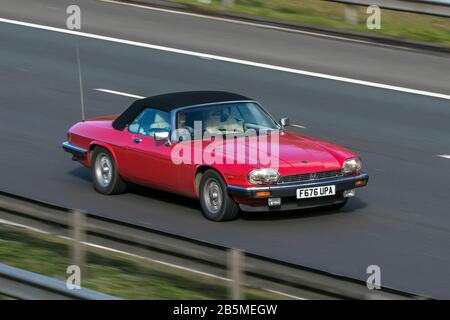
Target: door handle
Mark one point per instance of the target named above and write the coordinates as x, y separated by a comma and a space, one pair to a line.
137, 140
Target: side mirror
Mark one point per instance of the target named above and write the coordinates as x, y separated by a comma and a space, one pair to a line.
162, 135
284, 121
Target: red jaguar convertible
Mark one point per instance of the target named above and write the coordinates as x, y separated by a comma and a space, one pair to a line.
221, 148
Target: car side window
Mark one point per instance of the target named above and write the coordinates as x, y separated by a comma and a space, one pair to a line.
150, 121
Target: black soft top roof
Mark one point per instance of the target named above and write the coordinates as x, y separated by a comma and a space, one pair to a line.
168, 102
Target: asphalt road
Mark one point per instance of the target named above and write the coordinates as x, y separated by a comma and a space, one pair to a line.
400, 222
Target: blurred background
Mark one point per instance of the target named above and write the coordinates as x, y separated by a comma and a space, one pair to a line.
376, 82
425, 20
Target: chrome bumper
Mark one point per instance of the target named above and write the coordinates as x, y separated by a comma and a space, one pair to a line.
290, 189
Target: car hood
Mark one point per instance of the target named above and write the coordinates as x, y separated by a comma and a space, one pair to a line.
296, 153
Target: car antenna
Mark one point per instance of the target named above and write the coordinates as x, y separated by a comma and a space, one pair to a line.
81, 83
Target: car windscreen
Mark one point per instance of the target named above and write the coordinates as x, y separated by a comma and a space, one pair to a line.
230, 118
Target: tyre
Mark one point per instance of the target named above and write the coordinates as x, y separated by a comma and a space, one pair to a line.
215, 201
105, 178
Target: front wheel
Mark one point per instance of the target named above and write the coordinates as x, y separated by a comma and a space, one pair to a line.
216, 203
105, 176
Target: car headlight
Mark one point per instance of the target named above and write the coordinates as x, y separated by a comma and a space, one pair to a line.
263, 176
351, 165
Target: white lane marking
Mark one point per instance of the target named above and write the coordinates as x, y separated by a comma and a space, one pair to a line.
253, 24
119, 93
298, 126
285, 294
231, 60
11, 223
446, 156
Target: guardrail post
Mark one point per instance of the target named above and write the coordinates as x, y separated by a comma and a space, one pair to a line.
351, 14
78, 236
228, 3
235, 258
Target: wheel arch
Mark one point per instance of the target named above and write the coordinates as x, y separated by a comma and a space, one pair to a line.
199, 172
99, 144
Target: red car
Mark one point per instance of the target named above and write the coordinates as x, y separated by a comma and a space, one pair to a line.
221, 148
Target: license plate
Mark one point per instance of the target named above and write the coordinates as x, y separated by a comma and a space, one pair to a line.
315, 192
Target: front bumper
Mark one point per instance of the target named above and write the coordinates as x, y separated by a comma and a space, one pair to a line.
288, 193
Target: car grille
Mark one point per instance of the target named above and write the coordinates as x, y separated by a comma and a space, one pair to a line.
310, 176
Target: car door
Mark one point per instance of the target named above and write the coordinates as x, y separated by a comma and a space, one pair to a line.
149, 160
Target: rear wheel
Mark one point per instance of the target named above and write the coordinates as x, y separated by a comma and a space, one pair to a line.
216, 203
105, 178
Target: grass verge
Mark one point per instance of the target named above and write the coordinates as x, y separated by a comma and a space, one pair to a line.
112, 273
402, 25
